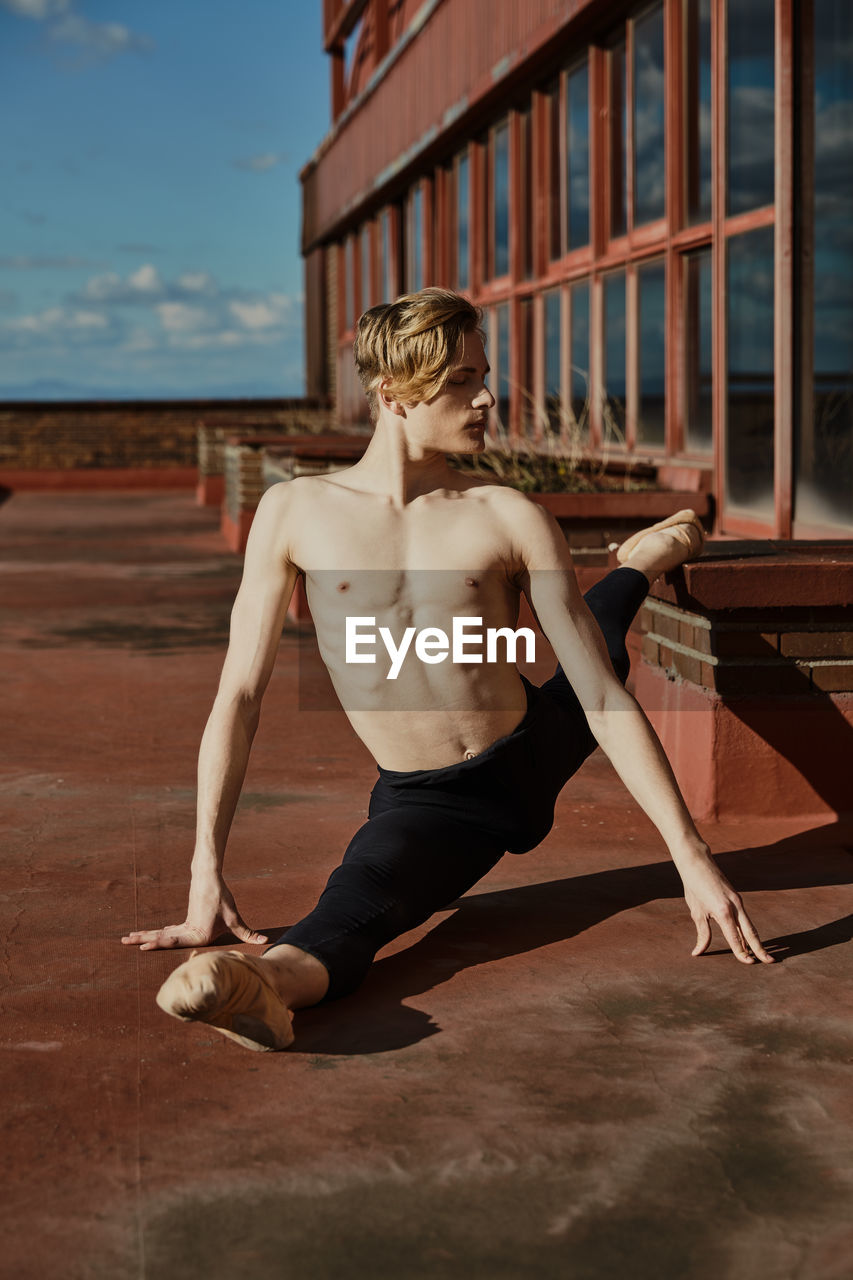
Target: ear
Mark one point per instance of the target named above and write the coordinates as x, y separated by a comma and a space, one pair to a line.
390, 402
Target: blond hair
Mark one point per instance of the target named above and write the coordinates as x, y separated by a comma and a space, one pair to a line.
413, 343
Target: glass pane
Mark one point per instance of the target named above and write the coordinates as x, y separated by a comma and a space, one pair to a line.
749, 104
555, 236
651, 286
749, 379
388, 291
697, 103
618, 141
824, 462
416, 230
649, 184
502, 316
349, 289
553, 347
366, 286
500, 195
528, 380
613, 406
577, 132
528, 192
697, 351
579, 373
463, 268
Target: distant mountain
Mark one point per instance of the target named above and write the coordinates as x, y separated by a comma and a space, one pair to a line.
57, 389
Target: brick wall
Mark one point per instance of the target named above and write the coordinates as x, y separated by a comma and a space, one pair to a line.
795, 651
70, 435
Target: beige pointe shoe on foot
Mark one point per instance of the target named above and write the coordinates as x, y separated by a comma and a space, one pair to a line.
685, 526
230, 992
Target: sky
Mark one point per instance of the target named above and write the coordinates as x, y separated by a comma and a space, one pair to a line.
149, 195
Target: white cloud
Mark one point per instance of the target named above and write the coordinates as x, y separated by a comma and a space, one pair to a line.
146, 278
179, 317
100, 39
144, 312
197, 282
261, 163
36, 9
261, 314
57, 322
144, 284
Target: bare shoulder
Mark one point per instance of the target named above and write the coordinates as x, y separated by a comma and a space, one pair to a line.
276, 519
512, 505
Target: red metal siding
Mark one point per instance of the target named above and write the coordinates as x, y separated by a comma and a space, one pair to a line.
465, 49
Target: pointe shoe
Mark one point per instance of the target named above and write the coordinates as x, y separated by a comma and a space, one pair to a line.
684, 526
231, 993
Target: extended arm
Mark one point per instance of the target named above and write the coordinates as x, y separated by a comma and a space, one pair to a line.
622, 730
256, 624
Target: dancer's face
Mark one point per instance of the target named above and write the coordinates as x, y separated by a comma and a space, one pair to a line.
455, 419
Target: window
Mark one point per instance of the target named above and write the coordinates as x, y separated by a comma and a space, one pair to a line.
613, 407
749, 104
697, 109
349, 283
389, 283
553, 372
648, 118
366, 272
823, 471
749, 374
651, 344
527, 389
697, 351
415, 240
577, 139
554, 197
503, 347
579, 370
618, 140
500, 200
463, 214
528, 192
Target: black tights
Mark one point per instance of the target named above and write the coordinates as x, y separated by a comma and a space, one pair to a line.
433, 833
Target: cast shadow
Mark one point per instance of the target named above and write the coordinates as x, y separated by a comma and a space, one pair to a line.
493, 926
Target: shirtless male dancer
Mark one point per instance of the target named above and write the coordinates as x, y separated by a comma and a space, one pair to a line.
471, 756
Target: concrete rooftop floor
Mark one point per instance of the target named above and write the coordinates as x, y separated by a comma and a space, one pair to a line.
540, 1083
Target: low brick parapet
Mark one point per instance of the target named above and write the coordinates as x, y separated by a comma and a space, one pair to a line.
752, 646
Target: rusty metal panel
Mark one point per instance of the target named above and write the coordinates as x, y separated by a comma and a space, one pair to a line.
451, 56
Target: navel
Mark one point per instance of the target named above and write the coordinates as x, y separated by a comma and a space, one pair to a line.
343, 586
472, 582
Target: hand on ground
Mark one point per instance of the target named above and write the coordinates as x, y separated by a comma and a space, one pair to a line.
211, 912
710, 897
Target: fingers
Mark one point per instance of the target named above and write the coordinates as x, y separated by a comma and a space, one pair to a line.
738, 931
752, 938
703, 936
154, 939
245, 934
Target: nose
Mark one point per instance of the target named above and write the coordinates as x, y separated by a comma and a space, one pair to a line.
484, 399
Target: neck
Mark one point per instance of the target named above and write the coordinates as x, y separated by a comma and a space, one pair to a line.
396, 467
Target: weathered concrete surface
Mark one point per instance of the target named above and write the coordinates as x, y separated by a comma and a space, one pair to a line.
541, 1084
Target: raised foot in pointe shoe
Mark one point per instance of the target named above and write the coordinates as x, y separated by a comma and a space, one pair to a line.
685, 526
232, 993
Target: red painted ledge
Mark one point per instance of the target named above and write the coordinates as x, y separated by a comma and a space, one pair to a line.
89, 478
641, 505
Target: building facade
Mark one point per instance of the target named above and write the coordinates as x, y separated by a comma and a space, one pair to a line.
653, 203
